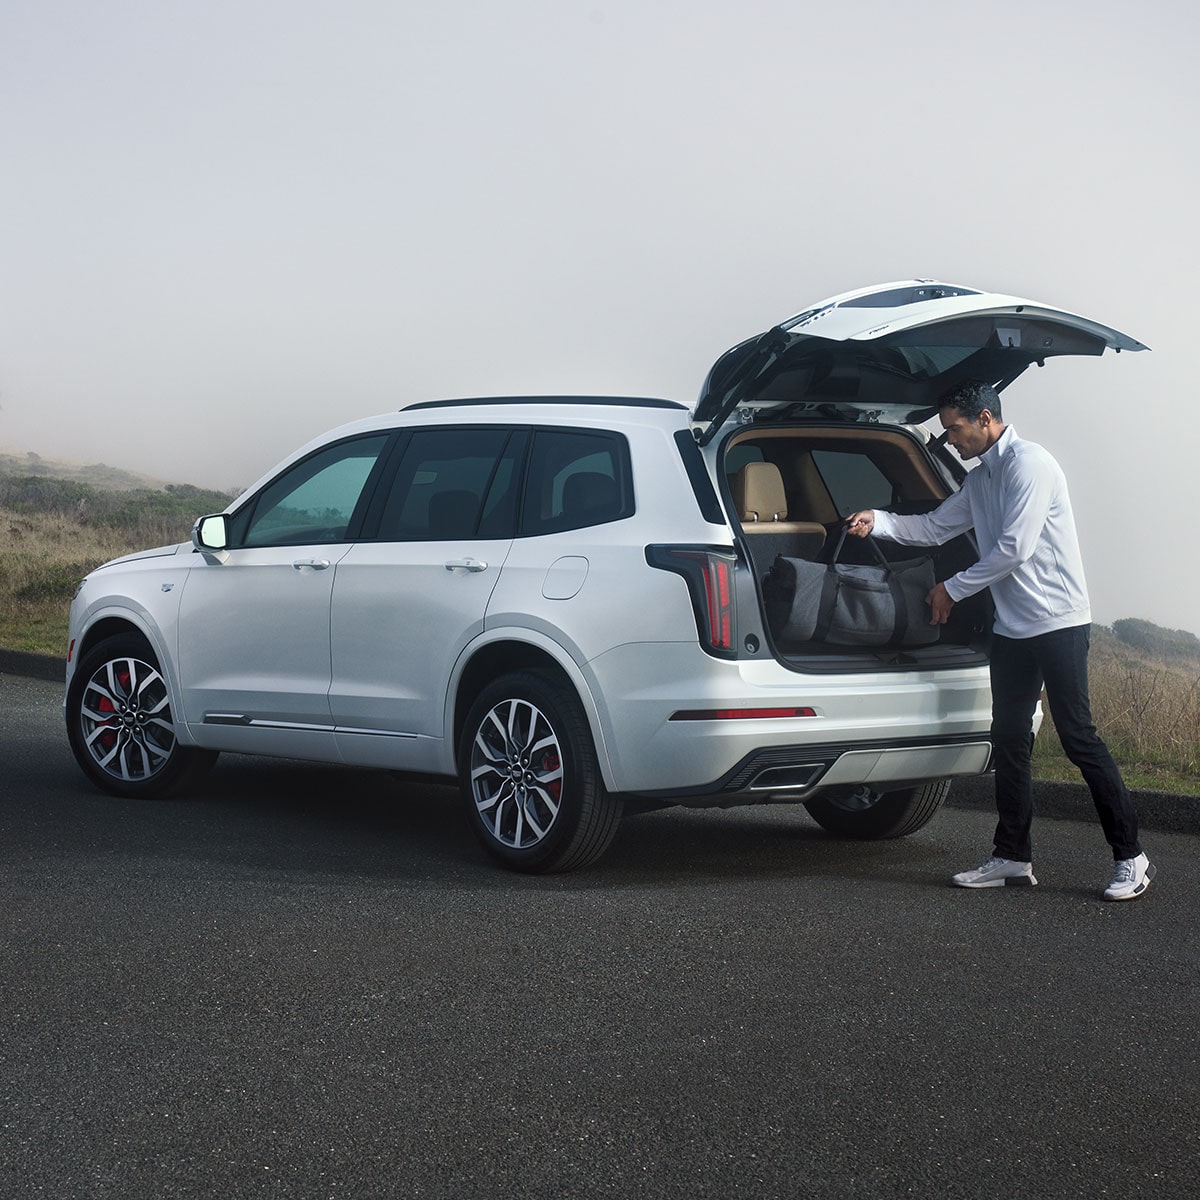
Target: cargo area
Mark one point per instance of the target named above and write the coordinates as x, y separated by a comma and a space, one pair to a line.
789, 489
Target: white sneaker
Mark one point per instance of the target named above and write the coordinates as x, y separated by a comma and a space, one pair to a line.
1130, 879
997, 872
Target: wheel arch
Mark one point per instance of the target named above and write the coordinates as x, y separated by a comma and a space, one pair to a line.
506, 653
123, 621
111, 626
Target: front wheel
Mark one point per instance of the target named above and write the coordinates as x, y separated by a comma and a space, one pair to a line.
875, 816
529, 776
120, 726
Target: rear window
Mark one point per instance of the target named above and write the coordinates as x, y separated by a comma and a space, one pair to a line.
575, 480
897, 297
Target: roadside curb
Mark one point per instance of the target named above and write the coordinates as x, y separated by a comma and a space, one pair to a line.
1164, 811
33, 666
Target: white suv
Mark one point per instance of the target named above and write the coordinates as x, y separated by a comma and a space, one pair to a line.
560, 600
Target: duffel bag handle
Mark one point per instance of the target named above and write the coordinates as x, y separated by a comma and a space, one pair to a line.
879, 554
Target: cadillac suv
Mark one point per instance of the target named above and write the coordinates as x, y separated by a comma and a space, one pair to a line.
560, 600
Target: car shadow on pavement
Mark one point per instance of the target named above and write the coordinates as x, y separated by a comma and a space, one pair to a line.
316, 819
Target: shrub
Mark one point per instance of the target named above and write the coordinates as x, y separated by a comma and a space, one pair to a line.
1155, 640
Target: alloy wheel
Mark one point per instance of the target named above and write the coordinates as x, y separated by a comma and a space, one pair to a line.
125, 720
516, 773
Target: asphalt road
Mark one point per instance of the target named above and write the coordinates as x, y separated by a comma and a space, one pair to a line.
310, 983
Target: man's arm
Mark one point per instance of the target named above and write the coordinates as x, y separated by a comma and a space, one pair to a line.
1029, 493
948, 520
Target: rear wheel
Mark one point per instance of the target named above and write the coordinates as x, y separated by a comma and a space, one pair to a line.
878, 815
120, 726
529, 776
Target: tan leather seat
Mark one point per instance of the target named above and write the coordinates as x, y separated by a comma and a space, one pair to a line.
761, 502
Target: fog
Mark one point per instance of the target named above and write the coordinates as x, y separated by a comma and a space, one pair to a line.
230, 226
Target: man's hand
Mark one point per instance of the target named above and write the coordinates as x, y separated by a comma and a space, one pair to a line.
861, 523
941, 604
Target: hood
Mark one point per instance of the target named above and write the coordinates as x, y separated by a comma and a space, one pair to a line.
891, 351
157, 552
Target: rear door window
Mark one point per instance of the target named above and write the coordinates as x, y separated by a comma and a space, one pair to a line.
452, 484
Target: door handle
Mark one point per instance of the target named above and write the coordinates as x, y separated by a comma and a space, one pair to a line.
466, 564
311, 564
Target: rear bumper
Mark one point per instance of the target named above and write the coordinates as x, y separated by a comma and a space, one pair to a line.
881, 730
789, 773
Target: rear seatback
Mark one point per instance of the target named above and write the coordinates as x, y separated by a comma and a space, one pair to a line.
761, 503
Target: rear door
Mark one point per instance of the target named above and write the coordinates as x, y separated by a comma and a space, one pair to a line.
409, 597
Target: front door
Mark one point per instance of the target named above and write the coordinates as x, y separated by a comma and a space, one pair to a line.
254, 656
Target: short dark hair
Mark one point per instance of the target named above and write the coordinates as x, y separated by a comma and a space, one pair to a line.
971, 399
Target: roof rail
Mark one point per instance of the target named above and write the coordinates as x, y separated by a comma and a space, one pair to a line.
598, 401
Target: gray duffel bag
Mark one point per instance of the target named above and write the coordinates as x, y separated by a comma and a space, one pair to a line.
843, 604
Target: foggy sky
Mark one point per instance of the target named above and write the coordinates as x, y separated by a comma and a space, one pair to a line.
228, 226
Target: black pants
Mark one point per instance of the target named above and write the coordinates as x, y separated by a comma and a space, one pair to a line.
1020, 666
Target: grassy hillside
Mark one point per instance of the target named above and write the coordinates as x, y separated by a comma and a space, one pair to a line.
98, 475
53, 530
1147, 708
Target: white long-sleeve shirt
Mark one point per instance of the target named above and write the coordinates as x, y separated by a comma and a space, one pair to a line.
1016, 500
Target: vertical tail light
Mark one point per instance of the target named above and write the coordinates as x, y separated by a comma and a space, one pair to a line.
709, 575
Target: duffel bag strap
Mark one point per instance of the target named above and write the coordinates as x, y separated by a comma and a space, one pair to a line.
899, 607
827, 604
899, 603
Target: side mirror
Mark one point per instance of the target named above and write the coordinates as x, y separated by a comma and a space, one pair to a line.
210, 535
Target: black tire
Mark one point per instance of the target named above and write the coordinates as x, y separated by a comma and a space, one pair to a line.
120, 726
529, 777
875, 816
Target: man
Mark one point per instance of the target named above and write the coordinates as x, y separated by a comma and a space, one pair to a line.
1016, 501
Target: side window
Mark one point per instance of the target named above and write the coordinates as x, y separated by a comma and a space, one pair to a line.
853, 481
575, 480
741, 454
315, 500
453, 484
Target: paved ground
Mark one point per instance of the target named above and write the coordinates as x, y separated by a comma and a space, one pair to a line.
310, 983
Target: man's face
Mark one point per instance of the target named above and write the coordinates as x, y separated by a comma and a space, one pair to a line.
969, 438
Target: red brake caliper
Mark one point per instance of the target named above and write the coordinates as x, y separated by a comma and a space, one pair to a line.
108, 739
551, 763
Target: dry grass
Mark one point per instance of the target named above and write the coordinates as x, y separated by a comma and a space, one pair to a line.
1147, 710
54, 531
42, 558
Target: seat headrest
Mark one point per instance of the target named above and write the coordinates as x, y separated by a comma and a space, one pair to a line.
758, 493
590, 494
